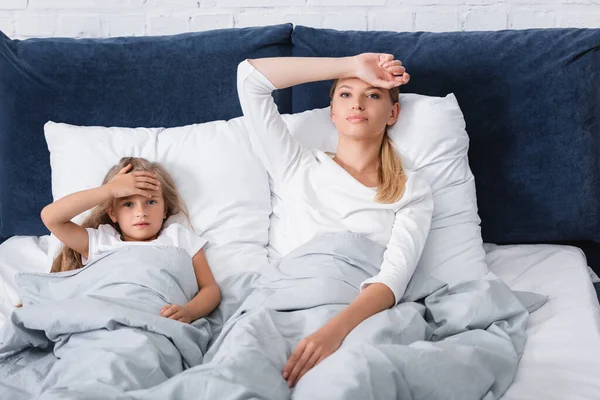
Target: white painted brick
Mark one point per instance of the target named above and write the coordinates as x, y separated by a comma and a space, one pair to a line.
261, 3
7, 25
164, 7
178, 5
579, 20
168, 25
312, 20
542, 5
485, 20
443, 21
247, 19
36, 25
345, 22
78, 4
80, 26
13, 4
208, 3
208, 22
127, 25
391, 21
532, 19
345, 3
163, 17
573, 3
441, 5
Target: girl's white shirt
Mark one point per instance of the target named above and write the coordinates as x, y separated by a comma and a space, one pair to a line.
106, 238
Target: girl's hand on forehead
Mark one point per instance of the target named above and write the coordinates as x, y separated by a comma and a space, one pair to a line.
141, 183
381, 70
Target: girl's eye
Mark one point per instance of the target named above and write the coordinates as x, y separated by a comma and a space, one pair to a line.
344, 95
151, 202
373, 95
128, 204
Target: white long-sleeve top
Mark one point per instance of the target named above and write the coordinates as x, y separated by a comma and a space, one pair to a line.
319, 196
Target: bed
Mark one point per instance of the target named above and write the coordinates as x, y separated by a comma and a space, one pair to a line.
555, 364
532, 143
563, 336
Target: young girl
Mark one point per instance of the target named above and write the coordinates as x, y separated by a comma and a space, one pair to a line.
130, 208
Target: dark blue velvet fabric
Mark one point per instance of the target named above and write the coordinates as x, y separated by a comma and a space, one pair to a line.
531, 100
137, 81
592, 253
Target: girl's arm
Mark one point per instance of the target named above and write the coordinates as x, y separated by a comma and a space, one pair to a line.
209, 294
57, 216
205, 301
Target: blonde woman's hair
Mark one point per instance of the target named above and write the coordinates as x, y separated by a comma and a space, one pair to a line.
68, 259
392, 178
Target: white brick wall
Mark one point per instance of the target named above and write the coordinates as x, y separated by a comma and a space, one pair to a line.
104, 18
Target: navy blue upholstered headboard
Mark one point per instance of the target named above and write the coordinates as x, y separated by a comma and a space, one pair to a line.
135, 81
531, 100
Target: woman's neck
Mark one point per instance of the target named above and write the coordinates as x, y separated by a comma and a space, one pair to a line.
358, 157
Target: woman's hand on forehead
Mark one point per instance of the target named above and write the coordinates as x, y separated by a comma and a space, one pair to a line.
381, 70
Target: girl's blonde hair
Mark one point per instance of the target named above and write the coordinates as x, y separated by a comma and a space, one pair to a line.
392, 178
69, 259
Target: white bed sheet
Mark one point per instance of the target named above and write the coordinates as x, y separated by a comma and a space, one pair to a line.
19, 254
562, 354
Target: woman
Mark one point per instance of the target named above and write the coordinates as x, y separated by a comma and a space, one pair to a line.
363, 188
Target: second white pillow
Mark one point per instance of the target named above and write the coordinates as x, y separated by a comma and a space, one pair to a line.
431, 138
222, 183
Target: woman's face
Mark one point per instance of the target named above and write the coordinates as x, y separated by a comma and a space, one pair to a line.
361, 111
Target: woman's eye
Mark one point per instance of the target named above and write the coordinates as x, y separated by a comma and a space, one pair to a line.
373, 95
128, 204
344, 95
151, 202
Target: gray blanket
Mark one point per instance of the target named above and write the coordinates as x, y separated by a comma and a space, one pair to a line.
96, 332
463, 342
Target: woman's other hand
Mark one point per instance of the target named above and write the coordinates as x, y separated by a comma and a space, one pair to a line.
310, 351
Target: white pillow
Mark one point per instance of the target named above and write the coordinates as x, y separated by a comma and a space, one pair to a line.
223, 185
225, 188
80, 157
431, 138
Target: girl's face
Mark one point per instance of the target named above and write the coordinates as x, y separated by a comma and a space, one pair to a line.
139, 217
362, 111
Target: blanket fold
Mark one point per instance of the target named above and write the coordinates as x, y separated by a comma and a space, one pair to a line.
439, 343
96, 331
